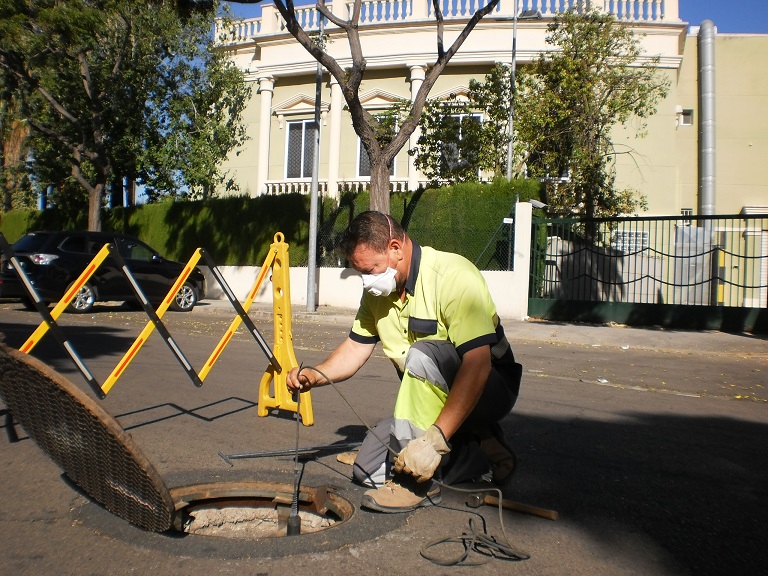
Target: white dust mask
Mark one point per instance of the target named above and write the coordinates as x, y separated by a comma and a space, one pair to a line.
382, 284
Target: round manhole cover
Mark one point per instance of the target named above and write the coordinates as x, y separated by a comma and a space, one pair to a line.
86, 442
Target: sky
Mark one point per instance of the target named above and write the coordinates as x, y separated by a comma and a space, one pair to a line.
730, 16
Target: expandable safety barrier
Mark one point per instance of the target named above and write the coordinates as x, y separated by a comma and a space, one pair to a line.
273, 393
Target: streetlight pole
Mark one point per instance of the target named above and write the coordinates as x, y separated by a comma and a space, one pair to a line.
512, 89
314, 190
525, 15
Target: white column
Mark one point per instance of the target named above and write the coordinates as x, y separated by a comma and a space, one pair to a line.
521, 278
418, 72
270, 19
266, 87
334, 142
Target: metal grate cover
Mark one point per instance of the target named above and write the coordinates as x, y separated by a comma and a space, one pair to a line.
84, 441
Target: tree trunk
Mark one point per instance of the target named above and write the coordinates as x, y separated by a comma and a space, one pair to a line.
379, 186
350, 78
94, 208
14, 150
96, 190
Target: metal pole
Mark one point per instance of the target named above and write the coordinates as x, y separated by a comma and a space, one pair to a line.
312, 264
707, 133
512, 89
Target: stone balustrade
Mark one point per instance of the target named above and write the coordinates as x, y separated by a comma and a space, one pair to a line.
304, 186
384, 12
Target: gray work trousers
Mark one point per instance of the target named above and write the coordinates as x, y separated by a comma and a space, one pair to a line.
372, 466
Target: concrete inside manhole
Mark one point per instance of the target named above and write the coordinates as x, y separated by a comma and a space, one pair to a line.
249, 510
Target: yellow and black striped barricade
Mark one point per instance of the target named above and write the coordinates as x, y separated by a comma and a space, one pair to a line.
242, 312
49, 318
154, 322
69, 295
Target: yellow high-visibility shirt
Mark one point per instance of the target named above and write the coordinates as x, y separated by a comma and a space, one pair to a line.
446, 299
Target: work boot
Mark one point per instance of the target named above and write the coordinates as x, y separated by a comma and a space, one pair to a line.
347, 458
503, 459
402, 494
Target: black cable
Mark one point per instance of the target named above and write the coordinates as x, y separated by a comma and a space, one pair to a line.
473, 541
294, 520
480, 543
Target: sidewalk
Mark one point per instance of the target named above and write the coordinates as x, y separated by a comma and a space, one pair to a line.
593, 335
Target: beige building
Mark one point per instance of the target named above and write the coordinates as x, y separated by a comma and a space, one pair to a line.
705, 155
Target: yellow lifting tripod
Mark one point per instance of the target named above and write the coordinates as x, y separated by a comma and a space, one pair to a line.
283, 343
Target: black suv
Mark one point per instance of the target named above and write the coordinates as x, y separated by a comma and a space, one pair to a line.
53, 260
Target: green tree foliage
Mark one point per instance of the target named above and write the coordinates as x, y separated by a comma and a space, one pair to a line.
571, 98
117, 88
566, 106
463, 139
199, 123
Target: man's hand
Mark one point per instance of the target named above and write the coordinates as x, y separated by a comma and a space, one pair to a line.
300, 382
421, 457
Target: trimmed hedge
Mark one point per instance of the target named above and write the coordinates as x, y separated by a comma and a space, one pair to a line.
239, 230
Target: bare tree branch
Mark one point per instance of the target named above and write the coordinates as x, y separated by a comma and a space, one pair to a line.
343, 24
57, 106
440, 27
42, 129
350, 80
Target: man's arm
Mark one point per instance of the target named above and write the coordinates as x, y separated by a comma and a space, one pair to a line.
466, 390
421, 456
343, 363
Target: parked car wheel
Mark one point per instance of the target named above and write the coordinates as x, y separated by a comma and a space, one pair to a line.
83, 300
186, 298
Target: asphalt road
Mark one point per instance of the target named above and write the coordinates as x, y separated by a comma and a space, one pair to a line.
651, 445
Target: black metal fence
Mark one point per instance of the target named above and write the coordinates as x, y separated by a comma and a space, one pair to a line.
686, 260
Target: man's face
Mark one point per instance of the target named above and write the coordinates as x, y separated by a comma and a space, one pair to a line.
367, 261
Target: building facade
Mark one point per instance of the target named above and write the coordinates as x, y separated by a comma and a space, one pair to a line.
699, 156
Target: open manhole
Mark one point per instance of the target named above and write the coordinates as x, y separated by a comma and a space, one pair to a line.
95, 452
255, 509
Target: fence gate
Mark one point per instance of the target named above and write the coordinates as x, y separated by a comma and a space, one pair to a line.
695, 272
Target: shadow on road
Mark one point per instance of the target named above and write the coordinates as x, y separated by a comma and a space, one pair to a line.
697, 486
90, 342
167, 411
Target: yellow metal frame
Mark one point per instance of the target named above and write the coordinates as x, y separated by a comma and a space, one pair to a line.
149, 328
283, 343
69, 295
237, 320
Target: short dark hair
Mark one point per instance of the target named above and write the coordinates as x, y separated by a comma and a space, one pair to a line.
371, 228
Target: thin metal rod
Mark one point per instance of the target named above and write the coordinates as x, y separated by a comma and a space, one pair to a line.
287, 451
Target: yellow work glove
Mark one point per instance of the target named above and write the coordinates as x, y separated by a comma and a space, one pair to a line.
421, 457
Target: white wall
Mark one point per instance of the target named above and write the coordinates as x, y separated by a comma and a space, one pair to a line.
342, 287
